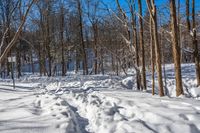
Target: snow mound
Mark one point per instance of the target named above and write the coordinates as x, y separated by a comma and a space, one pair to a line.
195, 92
128, 82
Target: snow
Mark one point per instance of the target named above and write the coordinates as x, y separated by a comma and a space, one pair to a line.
195, 92
127, 111
98, 104
128, 82
24, 112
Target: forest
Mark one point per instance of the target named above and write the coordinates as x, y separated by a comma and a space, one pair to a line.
138, 49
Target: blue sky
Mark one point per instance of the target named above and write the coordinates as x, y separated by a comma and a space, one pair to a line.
163, 12
157, 2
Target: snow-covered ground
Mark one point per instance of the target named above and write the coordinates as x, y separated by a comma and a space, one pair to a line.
98, 104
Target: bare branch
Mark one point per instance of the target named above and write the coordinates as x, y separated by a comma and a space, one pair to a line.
13, 41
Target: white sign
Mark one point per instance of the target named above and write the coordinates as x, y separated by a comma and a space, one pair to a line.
12, 59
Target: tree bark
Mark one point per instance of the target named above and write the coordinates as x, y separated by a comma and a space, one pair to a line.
188, 15
18, 62
32, 61
158, 54
152, 9
142, 51
14, 39
135, 41
62, 42
195, 44
85, 67
95, 30
176, 48
152, 57
48, 40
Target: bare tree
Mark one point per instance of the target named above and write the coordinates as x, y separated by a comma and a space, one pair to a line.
135, 40
188, 14
62, 20
14, 39
92, 7
176, 48
84, 53
152, 56
142, 51
152, 10
195, 44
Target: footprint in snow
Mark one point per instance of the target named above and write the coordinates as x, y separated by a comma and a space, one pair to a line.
55, 98
57, 126
58, 104
64, 103
183, 116
65, 114
54, 115
37, 103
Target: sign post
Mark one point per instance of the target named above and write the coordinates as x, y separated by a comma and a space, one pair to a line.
12, 60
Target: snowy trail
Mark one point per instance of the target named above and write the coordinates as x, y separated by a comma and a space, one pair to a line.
29, 111
128, 111
108, 111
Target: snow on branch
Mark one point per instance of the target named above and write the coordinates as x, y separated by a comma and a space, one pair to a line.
14, 39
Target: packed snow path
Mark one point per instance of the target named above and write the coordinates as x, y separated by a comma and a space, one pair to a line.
28, 110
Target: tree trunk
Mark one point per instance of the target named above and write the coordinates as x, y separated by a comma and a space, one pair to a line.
40, 60
152, 9
84, 54
32, 62
158, 55
179, 30
195, 44
62, 42
18, 62
135, 41
176, 48
102, 61
48, 48
95, 30
77, 63
152, 57
142, 51
187, 15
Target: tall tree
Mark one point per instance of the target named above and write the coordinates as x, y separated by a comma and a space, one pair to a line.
176, 48
195, 44
18, 50
83, 47
16, 35
188, 15
142, 51
47, 35
135, 40
92, 7
153, 14
62, 20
